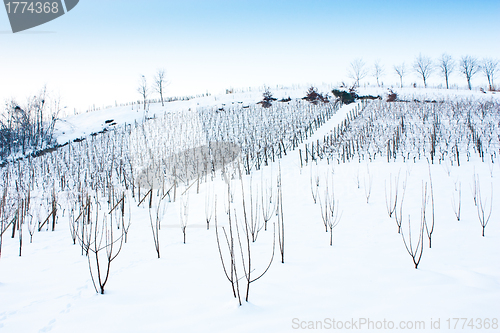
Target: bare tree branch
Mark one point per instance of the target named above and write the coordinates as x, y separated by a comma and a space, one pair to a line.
143, 89
469, 66
160, 83
424, 67
358, 70
378, 71
489, 69
401, 71
446, 66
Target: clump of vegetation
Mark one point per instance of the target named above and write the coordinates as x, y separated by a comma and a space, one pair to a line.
346, 97
314, 97
392, 96
370, 97
285, 100
267, 99
28, 127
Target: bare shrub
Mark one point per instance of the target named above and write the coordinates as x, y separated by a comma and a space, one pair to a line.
268, 198
330, 209
254, 221
101, 242
157, 208
400, 217
415, 251
229, 265
392, 202
314, 181
482, 204
238, 253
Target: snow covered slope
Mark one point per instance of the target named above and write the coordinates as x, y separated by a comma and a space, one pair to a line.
366, 276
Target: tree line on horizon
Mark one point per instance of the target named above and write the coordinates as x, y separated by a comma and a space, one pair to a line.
424, 67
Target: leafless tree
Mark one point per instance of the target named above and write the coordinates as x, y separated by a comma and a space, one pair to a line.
469, 66
489, 69
357, 70
401, 71
446, 66
160, 83
143, 89
424, 67
378, 71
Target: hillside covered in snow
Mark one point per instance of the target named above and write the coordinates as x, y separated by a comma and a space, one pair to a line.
219, 215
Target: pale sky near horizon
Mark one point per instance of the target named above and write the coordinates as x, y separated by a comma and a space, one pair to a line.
96, 53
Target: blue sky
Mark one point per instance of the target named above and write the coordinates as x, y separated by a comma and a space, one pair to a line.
96, 53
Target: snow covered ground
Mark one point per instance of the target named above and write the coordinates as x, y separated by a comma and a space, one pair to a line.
367, 275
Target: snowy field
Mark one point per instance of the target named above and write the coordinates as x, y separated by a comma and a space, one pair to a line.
169, 276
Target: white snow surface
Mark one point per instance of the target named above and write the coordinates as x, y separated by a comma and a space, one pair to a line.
366, 274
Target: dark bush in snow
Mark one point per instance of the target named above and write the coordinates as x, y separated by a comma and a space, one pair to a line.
314, 97
346, 97
267, 99
392, 96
